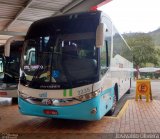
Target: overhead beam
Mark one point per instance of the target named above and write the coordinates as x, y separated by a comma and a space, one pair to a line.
11, 33
19, 14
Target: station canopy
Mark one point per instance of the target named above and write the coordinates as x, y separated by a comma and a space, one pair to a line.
17, 15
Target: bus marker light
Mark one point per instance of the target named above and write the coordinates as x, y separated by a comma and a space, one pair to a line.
87, 96
50, 112
94, 111
81, 97
94, 94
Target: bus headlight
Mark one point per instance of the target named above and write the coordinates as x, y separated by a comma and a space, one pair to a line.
22, 95
59, 102
88, 96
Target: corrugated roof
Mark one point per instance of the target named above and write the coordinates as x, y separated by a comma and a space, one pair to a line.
17, 15
49, 4
32, 14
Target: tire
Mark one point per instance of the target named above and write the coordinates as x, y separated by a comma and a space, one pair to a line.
129, 90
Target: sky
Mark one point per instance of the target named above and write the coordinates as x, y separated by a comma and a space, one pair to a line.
134, 15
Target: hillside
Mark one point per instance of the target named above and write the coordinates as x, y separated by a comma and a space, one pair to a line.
154, 34
145, 47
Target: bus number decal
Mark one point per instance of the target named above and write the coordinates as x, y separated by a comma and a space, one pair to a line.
83, 91
43, 95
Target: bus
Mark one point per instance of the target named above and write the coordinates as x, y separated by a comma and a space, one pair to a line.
74, 66
10, 65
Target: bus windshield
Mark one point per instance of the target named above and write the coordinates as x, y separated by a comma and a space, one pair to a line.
60, 52
68, 58
12, 64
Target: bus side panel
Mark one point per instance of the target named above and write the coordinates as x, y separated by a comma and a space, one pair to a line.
121, 74
107, 86
106, 101
80, 111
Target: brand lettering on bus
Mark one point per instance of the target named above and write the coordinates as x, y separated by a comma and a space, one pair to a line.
84, 91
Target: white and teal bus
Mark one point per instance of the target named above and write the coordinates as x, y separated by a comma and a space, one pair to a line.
73, 66
9, 68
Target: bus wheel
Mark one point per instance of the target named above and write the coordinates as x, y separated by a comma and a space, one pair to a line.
111, 111
129, 90
14, 100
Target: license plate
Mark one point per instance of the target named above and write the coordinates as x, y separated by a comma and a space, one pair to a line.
3, 93
50, 112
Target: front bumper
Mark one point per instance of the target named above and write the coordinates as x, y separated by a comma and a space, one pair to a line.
9, 93
80, 111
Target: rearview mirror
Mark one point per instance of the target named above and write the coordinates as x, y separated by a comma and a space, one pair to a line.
100, 35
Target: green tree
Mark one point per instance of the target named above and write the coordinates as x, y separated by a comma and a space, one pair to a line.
143, 49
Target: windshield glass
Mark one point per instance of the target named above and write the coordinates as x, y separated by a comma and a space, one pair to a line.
12, 64
9, 66
60, 52
68, 58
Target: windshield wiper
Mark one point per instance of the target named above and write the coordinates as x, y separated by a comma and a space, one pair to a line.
35, 75
67, 74
60, 59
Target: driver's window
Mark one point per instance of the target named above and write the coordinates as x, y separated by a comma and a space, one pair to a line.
31, 58
29, 55
1, 64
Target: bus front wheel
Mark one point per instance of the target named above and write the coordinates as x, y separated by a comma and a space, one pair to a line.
111, 111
